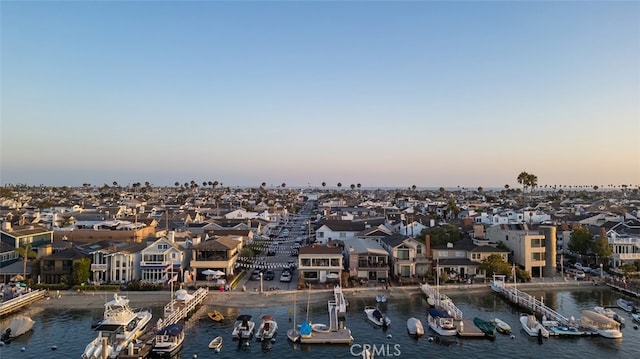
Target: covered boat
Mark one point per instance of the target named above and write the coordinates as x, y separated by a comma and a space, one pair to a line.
501, 326
168, 340
488, 328
376, 317
18, 326
414, 327
441, 322
605, 327
626, 305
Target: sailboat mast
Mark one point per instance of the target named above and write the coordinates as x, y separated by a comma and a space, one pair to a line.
308, 300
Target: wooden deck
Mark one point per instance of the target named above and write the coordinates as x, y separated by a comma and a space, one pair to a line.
340, 336
466, 328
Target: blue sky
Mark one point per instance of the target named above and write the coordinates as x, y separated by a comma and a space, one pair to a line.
377, 93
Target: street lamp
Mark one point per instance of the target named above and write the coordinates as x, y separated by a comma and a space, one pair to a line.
261, 282
601, 274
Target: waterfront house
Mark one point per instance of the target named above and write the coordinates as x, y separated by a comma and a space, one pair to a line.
318, 263
366, 259
57, 268
409, 257
527, 245
159, 255
220, 253
461, 260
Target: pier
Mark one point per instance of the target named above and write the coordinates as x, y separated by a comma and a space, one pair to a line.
337, 333
442, 301
178, 309
17, 303
629, 289
526, 301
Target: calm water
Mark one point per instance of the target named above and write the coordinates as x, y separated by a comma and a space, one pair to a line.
70, 331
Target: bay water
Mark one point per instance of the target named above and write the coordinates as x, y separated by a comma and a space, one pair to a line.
69, 330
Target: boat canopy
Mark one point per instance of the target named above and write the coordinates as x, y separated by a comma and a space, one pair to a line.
173, 329
434, 312
603, 319
243, 317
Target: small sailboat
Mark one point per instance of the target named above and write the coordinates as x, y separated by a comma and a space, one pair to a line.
216, 343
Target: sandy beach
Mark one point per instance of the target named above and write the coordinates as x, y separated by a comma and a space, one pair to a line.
96, 300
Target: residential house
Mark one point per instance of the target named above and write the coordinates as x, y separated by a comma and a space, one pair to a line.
317, 263
159, 255
624, 239
220, 253
527, 245
366, 259
337, 229
58, 267
461, 260
409, 257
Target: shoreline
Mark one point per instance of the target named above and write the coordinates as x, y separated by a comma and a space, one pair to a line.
239, 299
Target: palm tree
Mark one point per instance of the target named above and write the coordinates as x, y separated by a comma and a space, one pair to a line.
353, 186
523, 179
26, 252
442, 190
359, 185
283, 185
339, 185
324, 184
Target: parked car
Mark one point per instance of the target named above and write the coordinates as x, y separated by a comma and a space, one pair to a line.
255, 275
269, 275
286, 276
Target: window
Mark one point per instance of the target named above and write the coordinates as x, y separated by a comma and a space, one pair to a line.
343, 235
320, 234
419, 249
306, 262
537, 256
335, 262
403, 254
460, 254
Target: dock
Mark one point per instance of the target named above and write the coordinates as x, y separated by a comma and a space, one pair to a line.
466, 329
17, 303
527, 301
623, 287
177, 309
339, 336
442, 302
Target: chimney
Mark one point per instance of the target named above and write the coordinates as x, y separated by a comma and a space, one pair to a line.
172, 236
6, 226
427, 245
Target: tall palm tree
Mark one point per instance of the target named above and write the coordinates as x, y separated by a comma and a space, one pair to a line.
359, 185
339, 185
324, 184
26, 252
353, 186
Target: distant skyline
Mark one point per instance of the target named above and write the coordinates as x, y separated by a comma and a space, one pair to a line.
386, 94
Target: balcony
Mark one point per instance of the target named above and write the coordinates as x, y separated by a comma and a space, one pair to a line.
98, 267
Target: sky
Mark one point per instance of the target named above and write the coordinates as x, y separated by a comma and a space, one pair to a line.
385, 94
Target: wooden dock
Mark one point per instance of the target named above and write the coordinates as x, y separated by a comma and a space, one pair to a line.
339, 336
466, 328
15, 304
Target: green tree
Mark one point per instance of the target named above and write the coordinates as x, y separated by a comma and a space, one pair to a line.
81, 271
522, 275
442, 235
247, 252
494, 264
628, 268
25, 251
602, 248
581, 240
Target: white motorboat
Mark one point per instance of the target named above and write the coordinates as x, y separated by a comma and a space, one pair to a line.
604, 326
414, 327
18, 326
566, 331
168, 340
626, 305
636, 317
532, 327
441, 322
376, 317
381, 298
501, 326
609, 314
120, 326
268, 328
243, 328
